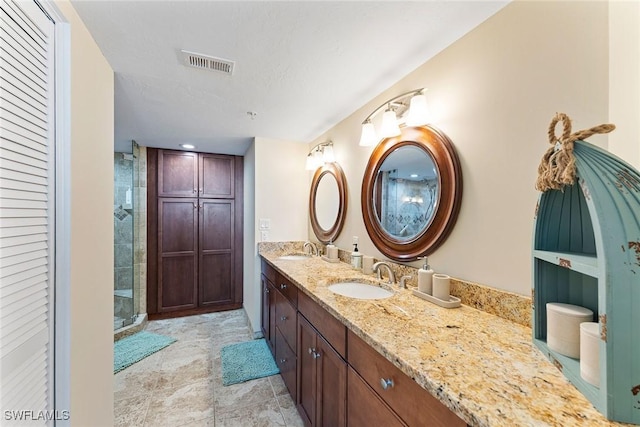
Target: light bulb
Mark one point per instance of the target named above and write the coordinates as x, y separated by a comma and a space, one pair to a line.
389, 124
310, 166
317, 159
368, 137
418, 111
327, 154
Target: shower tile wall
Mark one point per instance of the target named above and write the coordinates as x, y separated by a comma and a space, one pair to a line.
140, 230
123, 238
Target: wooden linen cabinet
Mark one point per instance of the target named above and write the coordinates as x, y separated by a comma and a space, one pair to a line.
195, 228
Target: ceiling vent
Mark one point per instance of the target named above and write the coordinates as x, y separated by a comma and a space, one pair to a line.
204, 62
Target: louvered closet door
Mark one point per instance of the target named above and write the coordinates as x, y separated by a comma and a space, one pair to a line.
26, 208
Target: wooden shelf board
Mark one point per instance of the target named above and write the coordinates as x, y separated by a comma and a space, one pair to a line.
585, 264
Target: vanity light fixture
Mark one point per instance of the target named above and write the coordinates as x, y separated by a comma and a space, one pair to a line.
319, 155
409, 108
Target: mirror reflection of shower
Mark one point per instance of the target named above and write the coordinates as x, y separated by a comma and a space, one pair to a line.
406, 192
126, 177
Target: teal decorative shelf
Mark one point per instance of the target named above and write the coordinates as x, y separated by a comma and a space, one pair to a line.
586, 252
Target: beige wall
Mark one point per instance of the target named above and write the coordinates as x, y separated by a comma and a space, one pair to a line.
493, 92
281, 194
624, 79
92, 121
251, 293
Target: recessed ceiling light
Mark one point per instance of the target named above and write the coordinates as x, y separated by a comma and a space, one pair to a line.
188, 146
414, 175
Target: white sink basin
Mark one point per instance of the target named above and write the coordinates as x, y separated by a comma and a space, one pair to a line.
293, 257
359, 290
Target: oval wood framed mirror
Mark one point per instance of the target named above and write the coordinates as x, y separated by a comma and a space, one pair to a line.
328, 202
411, 193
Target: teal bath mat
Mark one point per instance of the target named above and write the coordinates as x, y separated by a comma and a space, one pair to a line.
136, 347
246, 361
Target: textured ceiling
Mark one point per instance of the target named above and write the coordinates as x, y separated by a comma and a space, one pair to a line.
302, 66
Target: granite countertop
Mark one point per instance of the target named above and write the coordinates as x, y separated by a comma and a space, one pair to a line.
484, 368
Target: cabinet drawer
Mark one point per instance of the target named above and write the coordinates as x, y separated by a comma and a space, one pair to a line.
287, 288
329, 327
268, 271
412, 403
286, 319
286, 361
365, 408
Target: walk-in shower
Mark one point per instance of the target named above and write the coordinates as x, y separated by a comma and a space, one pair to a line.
130, 240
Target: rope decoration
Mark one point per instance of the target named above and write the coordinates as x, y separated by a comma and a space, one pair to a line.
558, 165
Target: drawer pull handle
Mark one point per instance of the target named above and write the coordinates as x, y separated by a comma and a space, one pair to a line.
386, 383
283, 318
283, 360
283, 286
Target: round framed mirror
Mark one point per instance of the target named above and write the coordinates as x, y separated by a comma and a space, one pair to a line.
411, 193
328, 202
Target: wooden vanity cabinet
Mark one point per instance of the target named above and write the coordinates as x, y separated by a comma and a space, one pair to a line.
413, 404
365, 407
333, 375
322, 377
282, 328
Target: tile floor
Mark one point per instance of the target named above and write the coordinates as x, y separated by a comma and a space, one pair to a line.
181, 385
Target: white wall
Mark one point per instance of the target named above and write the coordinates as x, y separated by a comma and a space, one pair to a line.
624, 79
92, 132
281, 194
494, 92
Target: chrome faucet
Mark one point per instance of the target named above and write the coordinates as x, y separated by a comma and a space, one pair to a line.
313, 249
376, 269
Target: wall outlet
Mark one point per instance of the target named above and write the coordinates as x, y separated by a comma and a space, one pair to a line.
264, 236
265, 224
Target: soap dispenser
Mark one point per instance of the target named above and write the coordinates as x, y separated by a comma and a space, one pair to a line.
425, 277
356, 257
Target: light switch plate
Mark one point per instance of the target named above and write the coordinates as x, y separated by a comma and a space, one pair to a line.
265, 224
264, 236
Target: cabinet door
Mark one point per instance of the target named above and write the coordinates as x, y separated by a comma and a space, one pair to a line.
331, 410
177, 174
364, 407
177, 254
286, 361
217, 176
286, 319
268, 324
217, 258
264, 323
307, 371
272, 316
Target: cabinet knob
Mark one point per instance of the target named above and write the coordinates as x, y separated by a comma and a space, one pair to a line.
283, 286
266, 290
312, 350
283, 360
386, 383
315, 355
195, 191
283, 318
